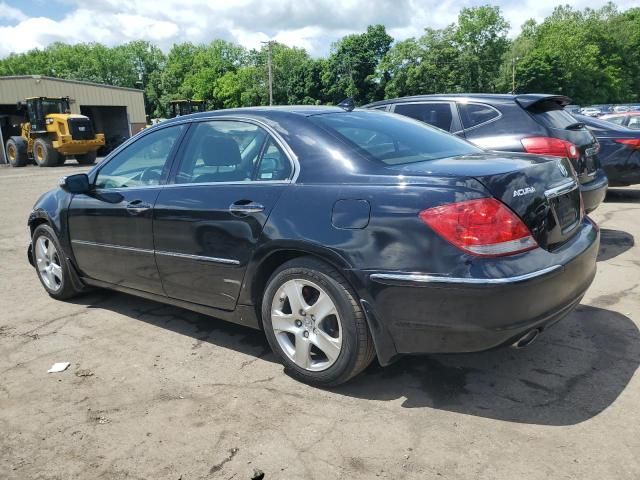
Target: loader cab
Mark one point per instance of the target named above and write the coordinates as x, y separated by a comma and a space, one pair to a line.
37, 109
178, 108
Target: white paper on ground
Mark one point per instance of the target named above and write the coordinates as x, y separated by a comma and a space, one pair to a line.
59, 367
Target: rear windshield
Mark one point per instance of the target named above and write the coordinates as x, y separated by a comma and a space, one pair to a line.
554, 118
392, 139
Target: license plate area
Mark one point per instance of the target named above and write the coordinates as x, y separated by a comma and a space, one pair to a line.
566, 209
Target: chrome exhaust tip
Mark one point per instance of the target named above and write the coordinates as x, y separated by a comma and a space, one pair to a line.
526, 339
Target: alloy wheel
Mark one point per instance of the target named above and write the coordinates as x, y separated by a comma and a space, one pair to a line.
48, 263
306, 324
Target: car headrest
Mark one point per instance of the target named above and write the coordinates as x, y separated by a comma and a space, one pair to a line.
218, 151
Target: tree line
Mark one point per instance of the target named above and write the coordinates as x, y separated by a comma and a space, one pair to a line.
590, 55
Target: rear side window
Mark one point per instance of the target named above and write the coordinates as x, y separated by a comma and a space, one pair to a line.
634, 122
392, 139
436, 114
474, 114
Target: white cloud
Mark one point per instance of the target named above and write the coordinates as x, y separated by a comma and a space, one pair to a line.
7, 12
310, 24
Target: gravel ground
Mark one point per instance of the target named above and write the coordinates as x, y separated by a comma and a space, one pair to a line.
156, 392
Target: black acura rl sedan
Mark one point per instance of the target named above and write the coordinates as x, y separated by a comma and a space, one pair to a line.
343, 234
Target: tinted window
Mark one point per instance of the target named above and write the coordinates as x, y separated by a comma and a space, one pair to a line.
141, 163
437, 114
392, 139
274, 164
473, 114
553, 118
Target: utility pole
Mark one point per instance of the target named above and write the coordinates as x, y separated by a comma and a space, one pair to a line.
269, 43
513, 74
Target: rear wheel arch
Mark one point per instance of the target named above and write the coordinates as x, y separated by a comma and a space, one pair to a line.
260, 275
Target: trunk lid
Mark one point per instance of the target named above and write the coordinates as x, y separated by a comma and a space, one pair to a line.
541, 190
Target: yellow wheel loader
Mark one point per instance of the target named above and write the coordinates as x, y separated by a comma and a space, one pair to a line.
51, 133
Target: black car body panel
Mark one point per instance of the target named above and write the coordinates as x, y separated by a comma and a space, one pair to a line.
514, 118
620, 161
189, 244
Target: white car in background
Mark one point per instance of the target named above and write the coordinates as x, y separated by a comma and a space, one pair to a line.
591, 111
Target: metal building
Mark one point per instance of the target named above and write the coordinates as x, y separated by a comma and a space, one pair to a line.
117, 112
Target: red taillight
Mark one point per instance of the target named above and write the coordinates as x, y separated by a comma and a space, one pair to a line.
632, 142
550, 146
484, 227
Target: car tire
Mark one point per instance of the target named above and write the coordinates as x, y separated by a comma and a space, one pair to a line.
17, 152
52, 266
44, 154
88, 158
337, 320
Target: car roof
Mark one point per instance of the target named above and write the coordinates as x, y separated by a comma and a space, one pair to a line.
262, 112
525, 100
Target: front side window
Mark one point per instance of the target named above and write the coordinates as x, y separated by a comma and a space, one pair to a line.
474, 114
142, 163
221, 151
436, 114
392, 139
619, 120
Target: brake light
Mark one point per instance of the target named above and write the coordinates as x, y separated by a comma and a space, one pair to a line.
632, 142
550, 146
484, 227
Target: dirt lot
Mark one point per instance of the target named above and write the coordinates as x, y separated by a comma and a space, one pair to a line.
155, 392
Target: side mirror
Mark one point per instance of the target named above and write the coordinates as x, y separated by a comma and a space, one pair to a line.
78, 183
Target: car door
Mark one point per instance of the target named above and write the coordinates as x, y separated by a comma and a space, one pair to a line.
207, 222
440, 114
111, 227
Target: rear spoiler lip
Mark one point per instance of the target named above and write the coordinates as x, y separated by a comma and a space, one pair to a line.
530, 100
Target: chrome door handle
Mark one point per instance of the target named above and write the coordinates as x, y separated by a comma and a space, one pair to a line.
137, 207
246, 208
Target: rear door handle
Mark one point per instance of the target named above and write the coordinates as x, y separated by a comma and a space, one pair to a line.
136, 207
246, 207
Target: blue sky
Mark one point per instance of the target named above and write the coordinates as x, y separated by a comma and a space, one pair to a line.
311, 24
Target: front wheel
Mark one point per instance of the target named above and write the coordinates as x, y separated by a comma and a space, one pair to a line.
314, 323
44, 154
51, 264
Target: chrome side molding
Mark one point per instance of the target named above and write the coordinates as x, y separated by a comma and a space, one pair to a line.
201, 258
419, 279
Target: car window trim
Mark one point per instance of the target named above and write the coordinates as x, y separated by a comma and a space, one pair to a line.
456, 121
482, 104
289, 154
93, 174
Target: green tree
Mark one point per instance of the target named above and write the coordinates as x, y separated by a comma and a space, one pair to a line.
350, 70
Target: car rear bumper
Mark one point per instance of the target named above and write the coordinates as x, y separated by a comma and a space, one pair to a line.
593, 193
434, 314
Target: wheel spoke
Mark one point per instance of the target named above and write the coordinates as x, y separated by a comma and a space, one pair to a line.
41, 248
56, 271
293, 290
328, 345
283, 322
302, 355
322, 307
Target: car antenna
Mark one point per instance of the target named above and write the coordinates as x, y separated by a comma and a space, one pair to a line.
347, 104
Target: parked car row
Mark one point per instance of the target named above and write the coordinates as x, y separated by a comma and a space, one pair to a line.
531, 123
344, 234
